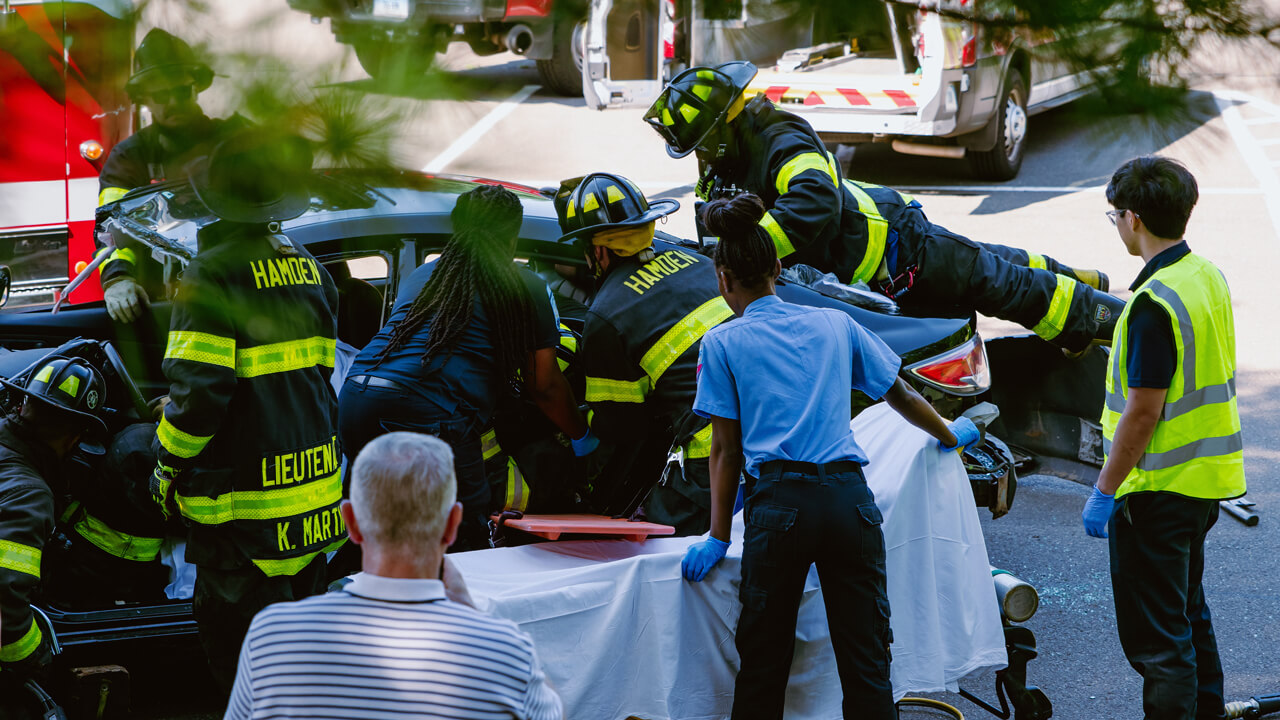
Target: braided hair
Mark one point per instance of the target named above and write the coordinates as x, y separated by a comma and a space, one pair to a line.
475, 262
745, 249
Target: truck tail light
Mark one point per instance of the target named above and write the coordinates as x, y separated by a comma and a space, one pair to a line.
969, 51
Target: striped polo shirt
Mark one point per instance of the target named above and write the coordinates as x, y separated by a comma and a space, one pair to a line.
388, 648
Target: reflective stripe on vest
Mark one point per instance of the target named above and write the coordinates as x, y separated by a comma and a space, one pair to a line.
489, 444
178, 442
19, 649
293, 566
110, 195
1197, 447
201, 347
114, 542
607, 390
263, 504
285, 356
781, 242
20, 558
517, 495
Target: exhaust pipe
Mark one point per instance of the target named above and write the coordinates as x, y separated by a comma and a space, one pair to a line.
1017, 598
953, 152
519, 39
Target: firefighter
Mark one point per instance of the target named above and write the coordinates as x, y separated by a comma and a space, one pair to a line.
640, 348
60, 405
864, 232
463, 329
249, 455
167, 79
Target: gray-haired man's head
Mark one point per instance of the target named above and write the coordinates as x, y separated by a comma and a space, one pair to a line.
402, 490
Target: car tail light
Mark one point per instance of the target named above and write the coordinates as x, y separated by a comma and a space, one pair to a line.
962, 371
969, 51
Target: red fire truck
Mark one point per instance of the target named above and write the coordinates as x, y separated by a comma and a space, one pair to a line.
63, 66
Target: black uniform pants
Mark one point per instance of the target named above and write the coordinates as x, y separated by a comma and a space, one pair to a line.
366, 412
683, 498
798, 514
1157, 561
959, 275
225, 602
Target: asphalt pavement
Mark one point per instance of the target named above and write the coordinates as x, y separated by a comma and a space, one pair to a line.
1229, 137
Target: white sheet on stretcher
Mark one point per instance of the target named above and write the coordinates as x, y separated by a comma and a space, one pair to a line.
620, 633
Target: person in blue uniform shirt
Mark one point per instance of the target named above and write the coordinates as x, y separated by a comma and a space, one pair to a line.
775, 383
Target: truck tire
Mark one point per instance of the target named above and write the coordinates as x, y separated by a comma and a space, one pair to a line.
394, 63
1003, 161
562, 74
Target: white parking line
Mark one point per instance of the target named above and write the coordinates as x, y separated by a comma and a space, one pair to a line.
477, 131
1254, 155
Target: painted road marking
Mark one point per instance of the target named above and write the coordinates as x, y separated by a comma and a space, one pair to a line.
477, 131
1253, 153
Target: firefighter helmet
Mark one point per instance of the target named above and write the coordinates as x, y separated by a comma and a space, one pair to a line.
69, 385
257, 175
696, 102
168, 60
603, 201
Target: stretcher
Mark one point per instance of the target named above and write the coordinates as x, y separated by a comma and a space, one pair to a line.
552, 527
621, 634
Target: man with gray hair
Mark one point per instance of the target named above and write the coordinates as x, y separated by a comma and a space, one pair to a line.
402, 637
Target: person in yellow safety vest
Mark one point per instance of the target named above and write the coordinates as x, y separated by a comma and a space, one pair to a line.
249, 454
60, 402
167, 79
640, 349
863, 232
1171, 434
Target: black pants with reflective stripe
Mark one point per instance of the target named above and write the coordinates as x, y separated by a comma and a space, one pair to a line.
225, 602
1157, 562
796, 519
958, 275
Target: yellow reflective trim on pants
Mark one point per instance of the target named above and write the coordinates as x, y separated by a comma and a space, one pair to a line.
110, 195
20, 558
1055, 319
285, 356
489, 444
201, 347
293, 566
804, 162
179, 443
22, 647
781, 242
877, 234
262, 504
119, 544
700, 445
682, 336
1036, 261
607, 390
517, 489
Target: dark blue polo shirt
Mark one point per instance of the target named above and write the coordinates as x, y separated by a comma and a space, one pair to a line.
1153, 353
468, 381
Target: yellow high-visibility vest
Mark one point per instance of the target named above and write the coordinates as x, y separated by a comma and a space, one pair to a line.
1196, 449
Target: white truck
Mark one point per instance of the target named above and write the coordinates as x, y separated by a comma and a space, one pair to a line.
915, 75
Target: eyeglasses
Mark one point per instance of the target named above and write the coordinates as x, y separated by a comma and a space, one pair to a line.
1112, 215
173, 94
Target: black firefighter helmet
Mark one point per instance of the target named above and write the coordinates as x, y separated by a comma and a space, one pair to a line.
163, 60
696, 102
69, 385
604, 201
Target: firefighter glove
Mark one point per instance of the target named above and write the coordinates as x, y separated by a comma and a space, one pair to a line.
701, 557
125, 300
1097, 511
162, 490
585, 445
965, 431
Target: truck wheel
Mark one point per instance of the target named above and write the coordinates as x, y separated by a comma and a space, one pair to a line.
1003, 161
395, 63
562, 74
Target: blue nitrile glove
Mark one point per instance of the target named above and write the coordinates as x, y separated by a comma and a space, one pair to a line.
1097, 511
965, 431
701, 557
585, 445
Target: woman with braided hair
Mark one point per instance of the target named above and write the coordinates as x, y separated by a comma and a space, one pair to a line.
775, 384
462, 329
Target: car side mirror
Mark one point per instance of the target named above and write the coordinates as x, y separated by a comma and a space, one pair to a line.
6, 279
